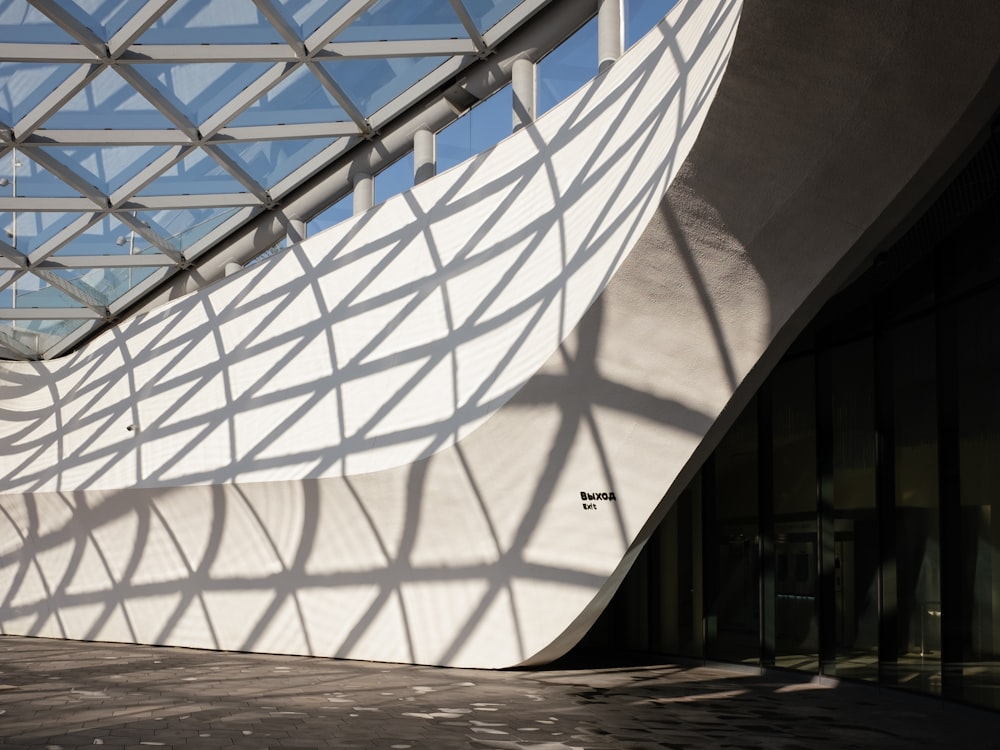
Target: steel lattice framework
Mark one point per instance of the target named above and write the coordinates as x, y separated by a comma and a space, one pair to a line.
135, 135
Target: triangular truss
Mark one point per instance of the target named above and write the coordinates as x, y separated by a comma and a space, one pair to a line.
135, 134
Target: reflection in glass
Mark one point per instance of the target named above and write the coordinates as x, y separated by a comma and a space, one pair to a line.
796, 628
979, 482
918, 556
678, 543
735, 635
183, 228
856, 541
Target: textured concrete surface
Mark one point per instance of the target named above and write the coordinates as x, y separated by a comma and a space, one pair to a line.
62, 694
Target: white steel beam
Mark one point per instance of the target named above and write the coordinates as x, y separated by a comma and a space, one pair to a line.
396, 48
142, 260
301, 131
144, 17
31, 52
198, 200
51, 313
470, 27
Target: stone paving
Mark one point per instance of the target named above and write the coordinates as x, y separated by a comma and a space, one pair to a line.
59, 694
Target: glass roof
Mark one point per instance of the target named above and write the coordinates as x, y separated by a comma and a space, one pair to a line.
134, 134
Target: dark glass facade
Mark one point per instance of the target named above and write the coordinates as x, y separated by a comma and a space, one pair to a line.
849, 522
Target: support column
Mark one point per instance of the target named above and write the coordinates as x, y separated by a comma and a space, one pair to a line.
232, 267
524, 90
424, 155
296, 230
610, 33
364, 192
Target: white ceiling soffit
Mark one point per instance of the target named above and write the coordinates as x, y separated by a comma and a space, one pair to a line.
135, 135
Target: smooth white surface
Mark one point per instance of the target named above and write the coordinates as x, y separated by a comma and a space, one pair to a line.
311, 469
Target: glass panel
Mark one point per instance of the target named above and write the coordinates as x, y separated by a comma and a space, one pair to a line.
108, 99
487, 13
394, 179
856, 558
196, 174
373, 83
736, 603
32, 292
199, 90
31, 179
298, 99
211, 22
24, 85
27, 231
105, 17
106, 284
796, 626
270, 161
20, 22
107, 167
485, 125
40, 335
105, 237
679, 581
392, 20
569, 66
183, 228
918, 556
642, 15
979, 467
309, 15
342, 209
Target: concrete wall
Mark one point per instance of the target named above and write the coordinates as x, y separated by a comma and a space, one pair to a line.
375, 446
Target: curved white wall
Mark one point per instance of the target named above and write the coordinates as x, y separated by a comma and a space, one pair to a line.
293, 479
307, 475
390, 336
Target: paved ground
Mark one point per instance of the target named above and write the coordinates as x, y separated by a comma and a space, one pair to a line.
56, 694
